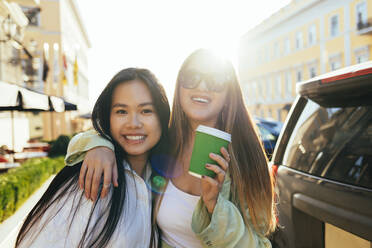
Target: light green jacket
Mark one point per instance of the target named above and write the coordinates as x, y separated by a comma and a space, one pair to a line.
225, 228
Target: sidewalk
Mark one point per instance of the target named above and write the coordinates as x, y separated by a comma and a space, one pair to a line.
10, 227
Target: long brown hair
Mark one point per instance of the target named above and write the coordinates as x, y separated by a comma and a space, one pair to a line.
252, 182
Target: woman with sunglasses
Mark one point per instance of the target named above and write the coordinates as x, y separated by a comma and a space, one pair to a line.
234, 209
133, 113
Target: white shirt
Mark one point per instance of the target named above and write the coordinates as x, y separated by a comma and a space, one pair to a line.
133, 229
174, 218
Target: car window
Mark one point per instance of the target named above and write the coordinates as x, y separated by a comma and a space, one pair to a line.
334, 143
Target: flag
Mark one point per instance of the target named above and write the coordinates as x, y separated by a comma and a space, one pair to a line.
64, 71
45, 68
56, 71
76, 71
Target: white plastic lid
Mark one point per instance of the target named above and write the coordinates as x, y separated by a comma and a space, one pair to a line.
214, 132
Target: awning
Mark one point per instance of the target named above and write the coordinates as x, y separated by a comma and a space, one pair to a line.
9, 96
14, 97
70, 106
34, 100
86, 116
56, 104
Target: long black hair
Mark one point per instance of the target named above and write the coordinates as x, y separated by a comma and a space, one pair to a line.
66, 180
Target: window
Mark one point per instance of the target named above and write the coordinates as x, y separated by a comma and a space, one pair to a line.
267, 56
299, 75
333, 143
259, 90
247, 94
254, 91
287, 46
251, 92
335, 61
288, 83
336, 64
32, 14
276, 50
312, 71
299, 40
312, 35
258, 57
15, 57
361, 15
270, 113
334, 26
269, 92
279, 114
362, 58
277, 87
362, 54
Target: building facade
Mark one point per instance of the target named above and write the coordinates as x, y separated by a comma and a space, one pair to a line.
59, 65
13, 23
13, 53
302, 40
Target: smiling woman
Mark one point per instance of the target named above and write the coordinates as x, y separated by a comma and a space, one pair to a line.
203, 91
134, 122
132, 112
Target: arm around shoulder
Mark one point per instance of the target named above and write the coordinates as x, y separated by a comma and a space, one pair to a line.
81, 143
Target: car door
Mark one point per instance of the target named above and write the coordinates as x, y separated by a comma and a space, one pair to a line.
324, 178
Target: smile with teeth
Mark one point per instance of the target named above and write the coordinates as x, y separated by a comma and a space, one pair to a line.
200, 99
135, 137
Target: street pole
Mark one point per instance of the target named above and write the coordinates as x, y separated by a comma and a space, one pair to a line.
13, 136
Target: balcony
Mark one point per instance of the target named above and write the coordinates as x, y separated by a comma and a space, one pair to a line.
364, 27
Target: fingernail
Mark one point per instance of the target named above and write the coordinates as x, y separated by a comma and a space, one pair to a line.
207, 165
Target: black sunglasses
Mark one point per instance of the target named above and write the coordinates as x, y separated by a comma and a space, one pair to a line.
214, 81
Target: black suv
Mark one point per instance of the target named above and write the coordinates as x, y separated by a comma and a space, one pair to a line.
323, 163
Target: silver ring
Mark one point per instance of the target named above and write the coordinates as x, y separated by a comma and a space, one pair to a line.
106, 185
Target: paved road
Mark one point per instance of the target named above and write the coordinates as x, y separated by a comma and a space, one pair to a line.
10, 227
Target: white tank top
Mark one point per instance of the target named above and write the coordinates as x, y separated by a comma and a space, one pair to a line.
174, 218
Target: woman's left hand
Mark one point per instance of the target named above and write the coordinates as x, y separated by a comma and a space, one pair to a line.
211, 186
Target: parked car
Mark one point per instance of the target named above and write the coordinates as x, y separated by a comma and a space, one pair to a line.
323, 163
269, 132
273, 126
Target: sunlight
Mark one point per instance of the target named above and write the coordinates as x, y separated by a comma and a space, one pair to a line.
227, 49
162, 45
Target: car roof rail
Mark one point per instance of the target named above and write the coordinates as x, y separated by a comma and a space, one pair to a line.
350, 86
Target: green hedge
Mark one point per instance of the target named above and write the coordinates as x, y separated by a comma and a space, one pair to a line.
59, 146
19, 183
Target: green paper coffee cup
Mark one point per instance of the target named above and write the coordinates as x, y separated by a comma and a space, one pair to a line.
207, 140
